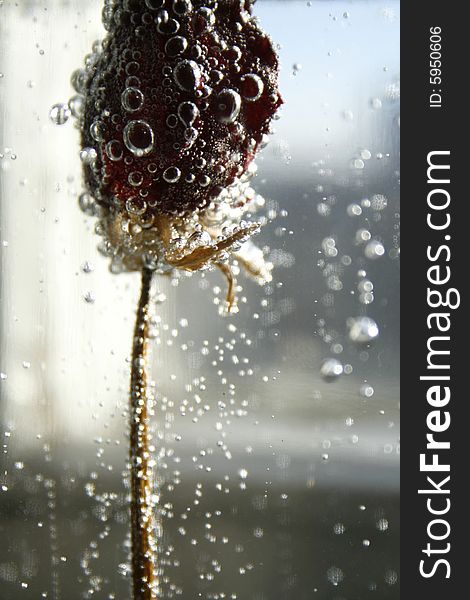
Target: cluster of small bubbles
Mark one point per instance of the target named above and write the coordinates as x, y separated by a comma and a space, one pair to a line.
324, 209
374, 250
335, 575
378, 202
382, 524
88, 156
329, 247
331, 369
60, 114
339, 528
362, 329
89, 297
365, 288
391, 577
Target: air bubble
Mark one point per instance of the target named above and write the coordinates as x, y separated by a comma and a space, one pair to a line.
172, 174
187, 75
228, 106
97, 131
204, 20
114, 150
132, 99
136, 206
331, 369
182, 7
139, 138
362, 329
374, 249
60, 114
176, 45
252, 87
188, 112
154, 4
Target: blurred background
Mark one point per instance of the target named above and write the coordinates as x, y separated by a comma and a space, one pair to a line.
278, 427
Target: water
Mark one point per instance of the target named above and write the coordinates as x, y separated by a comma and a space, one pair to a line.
277, 481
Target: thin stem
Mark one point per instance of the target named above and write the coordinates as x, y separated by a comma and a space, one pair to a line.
143, 522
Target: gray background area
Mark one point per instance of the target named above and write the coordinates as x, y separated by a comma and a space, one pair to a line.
275, 484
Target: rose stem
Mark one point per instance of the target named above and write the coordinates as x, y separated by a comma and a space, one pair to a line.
143, 522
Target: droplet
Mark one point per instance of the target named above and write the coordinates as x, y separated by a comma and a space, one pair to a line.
60, 114
187, 75
252, 87
228, 105
132, 99
139, 138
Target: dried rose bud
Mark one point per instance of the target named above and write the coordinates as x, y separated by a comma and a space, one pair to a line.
176, 102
